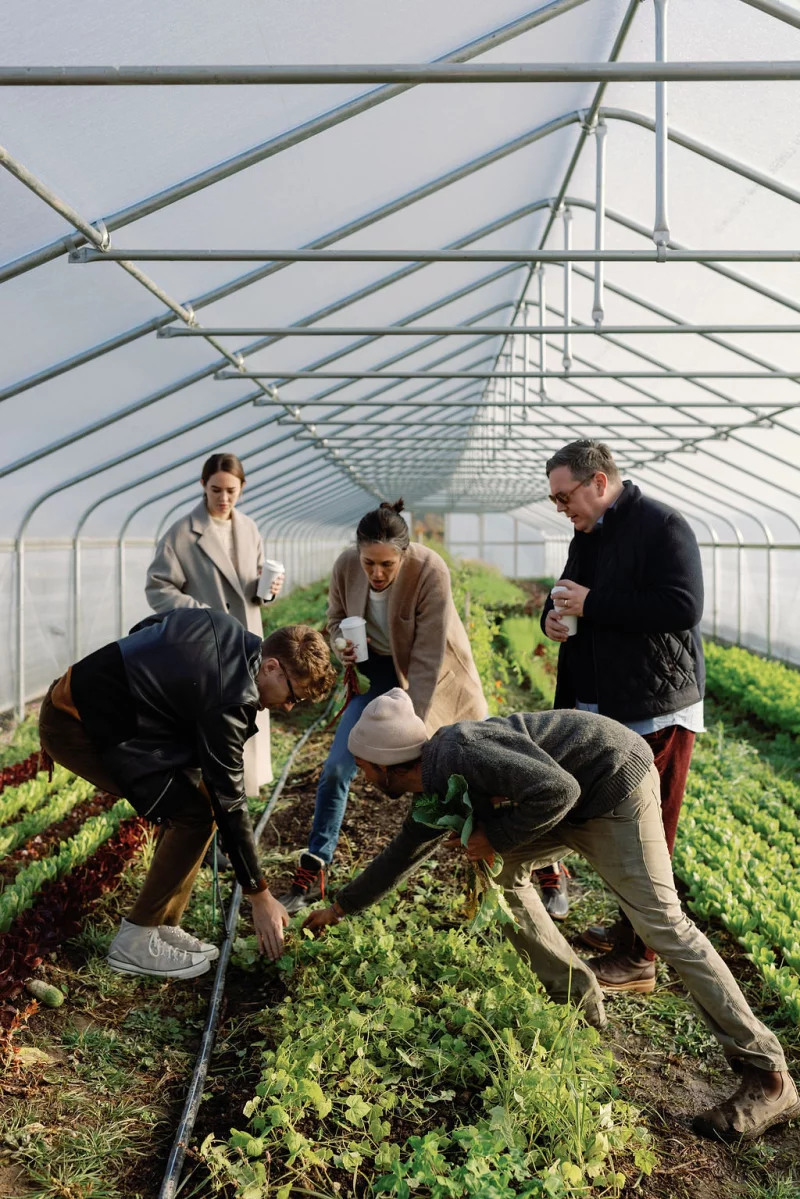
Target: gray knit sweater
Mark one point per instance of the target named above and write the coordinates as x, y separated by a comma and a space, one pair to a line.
548, 765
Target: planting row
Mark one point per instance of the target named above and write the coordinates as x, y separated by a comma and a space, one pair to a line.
423, 1058
29, 880
751, 686
738, 851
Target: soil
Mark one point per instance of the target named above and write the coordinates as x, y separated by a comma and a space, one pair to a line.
667, 1087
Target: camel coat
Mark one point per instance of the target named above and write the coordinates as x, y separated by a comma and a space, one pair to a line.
430, 648
192, 570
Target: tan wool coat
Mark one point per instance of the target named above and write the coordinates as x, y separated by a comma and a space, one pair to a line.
430, 648
192, 570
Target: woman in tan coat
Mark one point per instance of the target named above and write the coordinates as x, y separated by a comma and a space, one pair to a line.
212, 558
416, 641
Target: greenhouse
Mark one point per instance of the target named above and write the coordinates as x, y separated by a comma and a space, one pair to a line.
379, 251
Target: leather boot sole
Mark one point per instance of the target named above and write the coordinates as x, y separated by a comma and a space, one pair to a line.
706, 1129
639, 986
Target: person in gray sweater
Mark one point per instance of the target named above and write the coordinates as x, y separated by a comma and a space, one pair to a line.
543, 784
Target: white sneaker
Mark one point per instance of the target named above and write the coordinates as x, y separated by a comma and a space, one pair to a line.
140, 950
173, 934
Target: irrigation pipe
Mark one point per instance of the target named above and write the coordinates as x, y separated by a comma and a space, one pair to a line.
177, 1155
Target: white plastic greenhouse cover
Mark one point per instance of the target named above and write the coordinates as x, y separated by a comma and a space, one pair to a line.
105, 425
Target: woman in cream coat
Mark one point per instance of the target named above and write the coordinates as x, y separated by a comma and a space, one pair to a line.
212, 558
416, 641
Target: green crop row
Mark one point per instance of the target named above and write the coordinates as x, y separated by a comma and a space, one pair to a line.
25, 797
24, 742
61, 804
30, 879
532, 655
397, 1023
752, 686
738, 852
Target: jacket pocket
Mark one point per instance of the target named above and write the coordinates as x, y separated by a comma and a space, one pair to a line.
446, 680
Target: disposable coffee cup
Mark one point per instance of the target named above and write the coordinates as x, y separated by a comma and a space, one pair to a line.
570, 621
270, 571
354, 628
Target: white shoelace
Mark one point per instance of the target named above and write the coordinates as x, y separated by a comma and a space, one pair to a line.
162, 949
192, 945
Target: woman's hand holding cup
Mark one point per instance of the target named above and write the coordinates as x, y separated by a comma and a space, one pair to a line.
346, 650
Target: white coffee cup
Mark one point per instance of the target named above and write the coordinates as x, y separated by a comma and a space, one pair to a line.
270, 571
354, 628
570, 621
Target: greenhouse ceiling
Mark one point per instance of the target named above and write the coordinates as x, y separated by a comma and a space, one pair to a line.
397, 248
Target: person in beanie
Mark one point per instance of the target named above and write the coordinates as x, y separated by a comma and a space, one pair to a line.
416, 641
162, 716
634, 580
542, 783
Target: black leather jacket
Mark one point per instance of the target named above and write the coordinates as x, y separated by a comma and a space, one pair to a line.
644, 607
191, 675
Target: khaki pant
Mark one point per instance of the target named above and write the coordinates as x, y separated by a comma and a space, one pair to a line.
628, 850
183, 836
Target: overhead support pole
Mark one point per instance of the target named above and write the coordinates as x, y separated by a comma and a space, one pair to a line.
529, 330
541, 275
567, 219
291, 137
305, 75
661, 234
288, 376
520, 257
600, 134
781, 12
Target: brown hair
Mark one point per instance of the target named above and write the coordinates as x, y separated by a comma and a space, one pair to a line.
584, 459
384, 524
304, 652
228, 463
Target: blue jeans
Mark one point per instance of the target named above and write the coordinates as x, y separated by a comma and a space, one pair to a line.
340, 766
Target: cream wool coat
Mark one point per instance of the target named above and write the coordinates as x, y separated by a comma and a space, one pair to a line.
192, 570
430, 648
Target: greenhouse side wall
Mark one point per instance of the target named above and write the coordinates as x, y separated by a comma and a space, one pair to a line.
52, 636
752, 595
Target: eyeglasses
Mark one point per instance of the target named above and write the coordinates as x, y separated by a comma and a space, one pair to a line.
564, 497
292, 697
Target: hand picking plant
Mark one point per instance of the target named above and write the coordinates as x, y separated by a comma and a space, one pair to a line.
486, 901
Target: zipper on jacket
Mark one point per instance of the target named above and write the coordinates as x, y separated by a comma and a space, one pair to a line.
161, 796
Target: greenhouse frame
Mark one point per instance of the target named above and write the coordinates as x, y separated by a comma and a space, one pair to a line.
495, 231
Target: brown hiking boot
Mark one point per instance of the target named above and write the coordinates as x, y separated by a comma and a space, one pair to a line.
601, 937
749, 1111
619, 971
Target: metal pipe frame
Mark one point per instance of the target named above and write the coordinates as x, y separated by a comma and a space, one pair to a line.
286, 376
663, 254
290, 74
753, 447
617, 114
661, 234
282, 331
292, 137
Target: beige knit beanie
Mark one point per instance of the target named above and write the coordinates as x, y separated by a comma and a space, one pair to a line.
388, 731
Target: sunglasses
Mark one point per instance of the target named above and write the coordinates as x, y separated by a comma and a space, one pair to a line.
292, 697
564, 497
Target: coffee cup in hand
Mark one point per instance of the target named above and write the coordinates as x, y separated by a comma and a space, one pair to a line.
354, 628
270, 571
570, 621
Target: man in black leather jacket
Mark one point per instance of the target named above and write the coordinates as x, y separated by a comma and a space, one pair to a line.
161, 717
634, 580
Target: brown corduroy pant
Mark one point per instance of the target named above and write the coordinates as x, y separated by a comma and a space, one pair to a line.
182, 838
